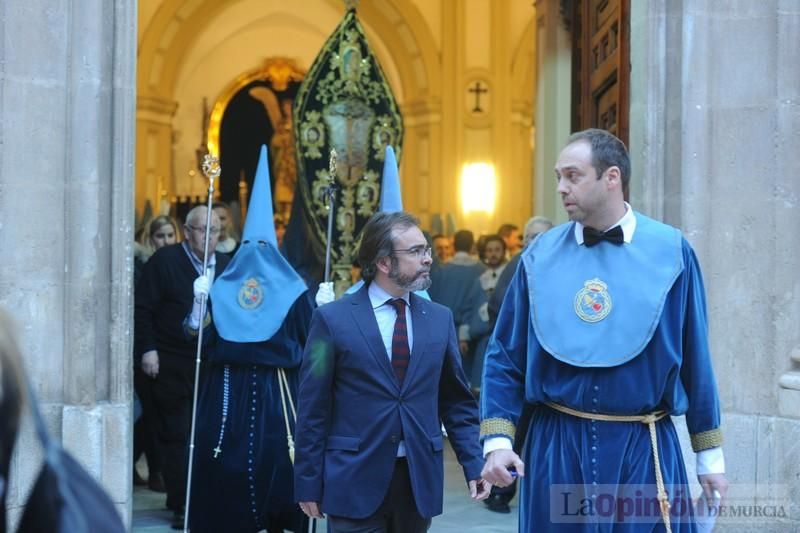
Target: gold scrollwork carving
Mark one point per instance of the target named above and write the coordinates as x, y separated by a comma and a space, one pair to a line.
345, 105
346, 223
312, 135
383, 135
368, 194
318, 196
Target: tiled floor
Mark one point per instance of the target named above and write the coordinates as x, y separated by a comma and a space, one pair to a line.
460, 513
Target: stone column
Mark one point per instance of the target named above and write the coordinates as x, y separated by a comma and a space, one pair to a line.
67, 80
553, 105
715, 126
154, 144
422, 123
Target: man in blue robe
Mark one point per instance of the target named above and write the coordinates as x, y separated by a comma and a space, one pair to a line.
603, 331
500, 497
242, 472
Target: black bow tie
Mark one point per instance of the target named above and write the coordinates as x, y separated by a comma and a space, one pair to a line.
591, 236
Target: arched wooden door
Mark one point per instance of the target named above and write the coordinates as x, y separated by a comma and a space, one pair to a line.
600, 65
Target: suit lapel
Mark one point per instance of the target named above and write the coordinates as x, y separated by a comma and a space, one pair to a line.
420, 322
364, 317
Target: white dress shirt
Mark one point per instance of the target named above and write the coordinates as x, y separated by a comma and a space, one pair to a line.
386, 316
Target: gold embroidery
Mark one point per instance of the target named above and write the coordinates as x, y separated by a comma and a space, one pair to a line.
706, 440
194, 332
346, 104
498, 426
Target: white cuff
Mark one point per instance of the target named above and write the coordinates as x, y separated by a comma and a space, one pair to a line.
496, 443
194, 317
463, 332
710, 461
483, 312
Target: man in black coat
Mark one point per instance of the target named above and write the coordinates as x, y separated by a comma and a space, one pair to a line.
164, 298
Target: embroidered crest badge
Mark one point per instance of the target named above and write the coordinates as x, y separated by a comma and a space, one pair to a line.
593, 303
250, 295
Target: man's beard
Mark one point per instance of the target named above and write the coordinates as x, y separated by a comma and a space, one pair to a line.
494, 262
416, 282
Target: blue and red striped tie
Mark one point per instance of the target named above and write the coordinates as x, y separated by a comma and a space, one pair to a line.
401, 354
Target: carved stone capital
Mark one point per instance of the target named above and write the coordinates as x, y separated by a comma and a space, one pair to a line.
159, 106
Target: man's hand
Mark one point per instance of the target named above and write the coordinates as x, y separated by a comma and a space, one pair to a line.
325, 294
311, 509
496, 470
714, 482
150, 363
479, 489
463, 347
201, 287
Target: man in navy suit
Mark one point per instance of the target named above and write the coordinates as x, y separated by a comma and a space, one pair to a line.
381, 372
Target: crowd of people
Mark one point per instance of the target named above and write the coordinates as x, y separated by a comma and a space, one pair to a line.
314, 406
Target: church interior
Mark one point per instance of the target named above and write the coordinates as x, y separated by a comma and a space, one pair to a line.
221, 76
107, 109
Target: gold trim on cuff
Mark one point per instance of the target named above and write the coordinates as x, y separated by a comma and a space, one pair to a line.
194, 332
706, 440
498, 426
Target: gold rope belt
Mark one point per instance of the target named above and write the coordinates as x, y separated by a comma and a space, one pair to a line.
650, 420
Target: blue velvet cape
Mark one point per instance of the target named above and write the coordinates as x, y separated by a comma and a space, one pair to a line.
563, 453
251, 481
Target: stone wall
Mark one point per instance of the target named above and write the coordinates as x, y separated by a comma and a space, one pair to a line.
715, 130
67, 97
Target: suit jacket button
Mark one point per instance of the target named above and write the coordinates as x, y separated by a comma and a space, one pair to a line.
393, 439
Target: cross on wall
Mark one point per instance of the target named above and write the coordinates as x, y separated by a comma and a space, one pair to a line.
477, 90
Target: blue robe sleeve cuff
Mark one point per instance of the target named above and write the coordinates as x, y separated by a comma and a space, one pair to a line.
706, 440
498, 427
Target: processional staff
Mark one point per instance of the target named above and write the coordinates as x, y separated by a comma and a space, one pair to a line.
211, 170
329, 193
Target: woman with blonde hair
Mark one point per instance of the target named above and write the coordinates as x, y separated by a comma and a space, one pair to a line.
162, 231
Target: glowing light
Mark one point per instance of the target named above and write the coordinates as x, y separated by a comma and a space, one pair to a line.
478, 188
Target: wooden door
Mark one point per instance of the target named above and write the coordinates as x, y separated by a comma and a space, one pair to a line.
601, 65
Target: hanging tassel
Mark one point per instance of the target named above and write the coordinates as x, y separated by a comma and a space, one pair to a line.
283, 386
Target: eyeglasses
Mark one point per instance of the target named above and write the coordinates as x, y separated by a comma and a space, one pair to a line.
417, 251
214, 230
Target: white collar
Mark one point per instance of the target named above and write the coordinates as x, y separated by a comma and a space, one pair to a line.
378, 296
198, 261
627, 223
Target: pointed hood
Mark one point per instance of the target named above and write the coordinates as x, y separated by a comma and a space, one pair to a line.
252, 297
391, 199
260, 225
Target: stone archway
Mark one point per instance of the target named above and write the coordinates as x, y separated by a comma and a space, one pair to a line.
178, 24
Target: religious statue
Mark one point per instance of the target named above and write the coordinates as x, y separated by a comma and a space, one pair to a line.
281, 148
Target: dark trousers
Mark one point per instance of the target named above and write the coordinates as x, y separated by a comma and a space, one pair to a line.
172, 396
397, 514
145, 438
294, 521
